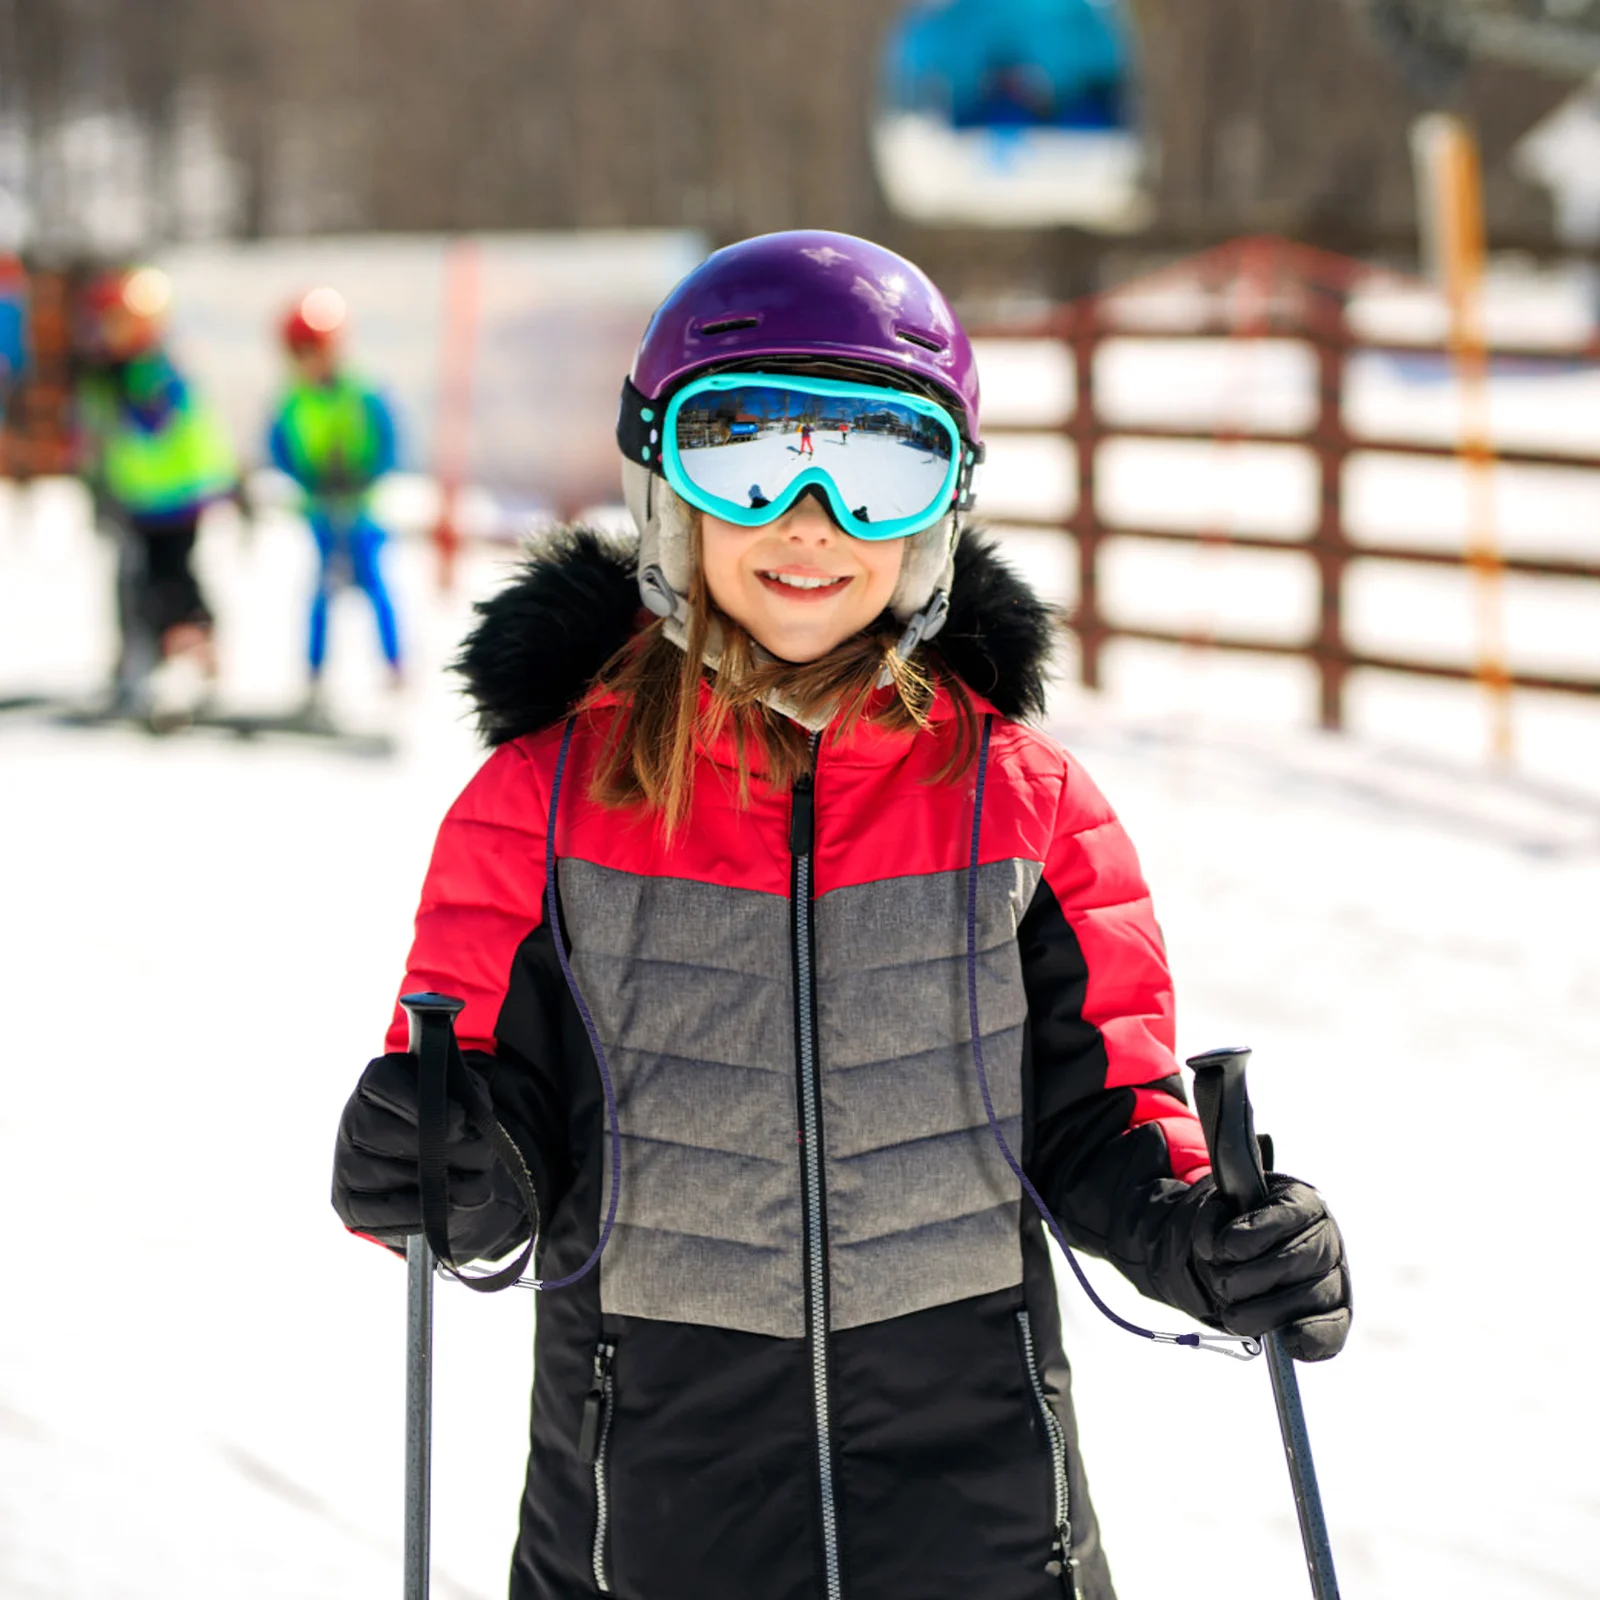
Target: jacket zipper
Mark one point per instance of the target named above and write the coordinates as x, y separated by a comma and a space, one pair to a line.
802, 841
1062, 1562
594, 1440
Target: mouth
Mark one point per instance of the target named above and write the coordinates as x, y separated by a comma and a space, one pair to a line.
802, 585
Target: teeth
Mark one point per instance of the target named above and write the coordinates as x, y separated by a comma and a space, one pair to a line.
795, 582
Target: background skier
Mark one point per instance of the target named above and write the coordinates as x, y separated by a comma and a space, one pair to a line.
837, 930
335, 436
154, 455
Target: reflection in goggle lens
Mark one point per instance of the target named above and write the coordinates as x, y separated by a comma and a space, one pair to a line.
746, 446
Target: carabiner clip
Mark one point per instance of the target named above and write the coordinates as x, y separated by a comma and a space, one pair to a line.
1218, 1343
1223, 1343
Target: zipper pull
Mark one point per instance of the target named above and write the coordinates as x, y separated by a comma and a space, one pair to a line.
1063, 1563
594, 1405
802, 816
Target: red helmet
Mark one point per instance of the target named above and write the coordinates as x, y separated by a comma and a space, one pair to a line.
315, 321
123, 313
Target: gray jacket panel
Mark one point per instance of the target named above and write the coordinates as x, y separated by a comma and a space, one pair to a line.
708, 1226
692, 993
922, 1209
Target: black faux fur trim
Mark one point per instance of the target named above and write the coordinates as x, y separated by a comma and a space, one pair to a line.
541, 640
999, 635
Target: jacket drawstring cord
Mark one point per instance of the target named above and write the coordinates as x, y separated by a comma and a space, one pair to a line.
553, 917
1221, 1343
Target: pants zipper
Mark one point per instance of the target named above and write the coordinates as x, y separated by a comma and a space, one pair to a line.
1062, 1562
802, 839
594, 1439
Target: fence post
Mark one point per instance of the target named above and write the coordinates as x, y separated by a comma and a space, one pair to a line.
1083, 332
1330, 339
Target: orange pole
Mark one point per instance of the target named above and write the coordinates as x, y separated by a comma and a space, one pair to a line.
453, 431
1457, 181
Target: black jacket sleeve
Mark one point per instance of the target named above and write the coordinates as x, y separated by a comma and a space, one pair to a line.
1111, 1145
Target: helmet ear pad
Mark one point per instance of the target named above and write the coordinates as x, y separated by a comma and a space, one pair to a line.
666, 550
927, 569
666, 539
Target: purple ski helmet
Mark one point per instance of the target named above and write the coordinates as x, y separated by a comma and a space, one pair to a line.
800, 296
811, 294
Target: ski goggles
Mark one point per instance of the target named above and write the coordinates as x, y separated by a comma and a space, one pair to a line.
744, 446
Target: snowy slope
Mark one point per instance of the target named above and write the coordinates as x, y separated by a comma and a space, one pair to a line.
200, 1375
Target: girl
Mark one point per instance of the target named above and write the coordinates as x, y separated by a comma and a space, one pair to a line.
804, 975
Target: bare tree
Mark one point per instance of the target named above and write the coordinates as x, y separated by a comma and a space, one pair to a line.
411, 115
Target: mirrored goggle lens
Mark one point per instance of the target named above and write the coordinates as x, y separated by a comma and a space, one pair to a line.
746, 446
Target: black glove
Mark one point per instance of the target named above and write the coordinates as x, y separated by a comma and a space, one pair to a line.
1281, 1266
375, 1187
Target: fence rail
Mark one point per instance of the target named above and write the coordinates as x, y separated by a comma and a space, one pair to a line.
1288, 294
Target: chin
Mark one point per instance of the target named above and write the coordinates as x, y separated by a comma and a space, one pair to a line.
796, 652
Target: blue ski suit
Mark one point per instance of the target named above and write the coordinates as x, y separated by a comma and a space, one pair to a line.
336, 440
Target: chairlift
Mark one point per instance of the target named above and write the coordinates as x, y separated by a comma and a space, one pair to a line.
1432, 42
1011, 113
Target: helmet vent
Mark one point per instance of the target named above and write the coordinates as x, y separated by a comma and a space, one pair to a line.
728, 325
923, 341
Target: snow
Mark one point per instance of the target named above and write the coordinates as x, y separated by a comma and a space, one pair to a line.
201, 1375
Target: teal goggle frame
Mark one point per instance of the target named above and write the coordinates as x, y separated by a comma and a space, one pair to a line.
941, 491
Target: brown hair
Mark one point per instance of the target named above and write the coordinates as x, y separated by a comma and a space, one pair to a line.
649, 755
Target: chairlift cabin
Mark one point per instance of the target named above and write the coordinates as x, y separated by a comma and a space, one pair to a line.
1011, 113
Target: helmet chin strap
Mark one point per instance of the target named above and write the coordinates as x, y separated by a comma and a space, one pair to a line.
659, 596
655, 591
923, 626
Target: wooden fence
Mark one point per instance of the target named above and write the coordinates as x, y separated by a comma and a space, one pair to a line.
1283, 291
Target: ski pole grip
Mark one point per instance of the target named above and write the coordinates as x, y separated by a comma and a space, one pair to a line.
432, 1018
1223, 1102
426, 1011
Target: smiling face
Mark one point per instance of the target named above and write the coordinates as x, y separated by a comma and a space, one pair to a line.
799, 586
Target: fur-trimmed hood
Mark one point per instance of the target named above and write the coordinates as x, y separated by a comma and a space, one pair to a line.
542, 639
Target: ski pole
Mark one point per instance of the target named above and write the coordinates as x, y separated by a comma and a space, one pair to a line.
419, 1411
430, 1015
1223, 1101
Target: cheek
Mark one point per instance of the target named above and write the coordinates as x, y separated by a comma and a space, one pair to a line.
883, 563
720, 552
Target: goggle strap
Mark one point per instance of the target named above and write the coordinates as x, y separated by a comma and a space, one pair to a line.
638, 417
965, 497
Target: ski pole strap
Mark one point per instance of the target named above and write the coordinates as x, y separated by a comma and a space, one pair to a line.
441, 1073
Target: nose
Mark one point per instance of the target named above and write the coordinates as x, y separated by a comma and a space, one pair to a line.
808, 520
